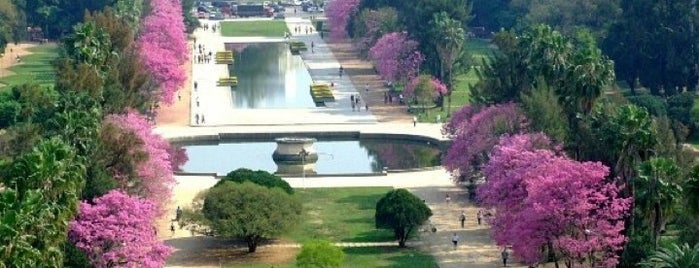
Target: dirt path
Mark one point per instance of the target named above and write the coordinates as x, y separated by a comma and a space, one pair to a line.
177, 114
362, 72
10, 57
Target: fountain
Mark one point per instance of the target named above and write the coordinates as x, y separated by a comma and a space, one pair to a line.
295, 155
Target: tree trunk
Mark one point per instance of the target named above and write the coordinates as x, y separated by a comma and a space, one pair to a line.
402, 236
552, 253
252, 244
657, 223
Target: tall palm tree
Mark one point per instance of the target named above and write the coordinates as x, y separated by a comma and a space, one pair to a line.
657, 192
674, 257
451, 36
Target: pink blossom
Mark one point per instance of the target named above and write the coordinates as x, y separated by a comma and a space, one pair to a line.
117, 231
475, 131
339, 13
437, 87
163, 46
156, 172
396, 57
541, 196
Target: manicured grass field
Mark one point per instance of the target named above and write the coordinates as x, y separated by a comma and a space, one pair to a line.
347, 215
35, 68
266, 28
369, 257
340, 215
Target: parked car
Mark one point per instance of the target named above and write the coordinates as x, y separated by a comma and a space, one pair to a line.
279, 16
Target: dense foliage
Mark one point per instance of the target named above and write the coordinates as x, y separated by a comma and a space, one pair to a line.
84, 140
259, 177
402, 212
320, 253
248, 211
396, 57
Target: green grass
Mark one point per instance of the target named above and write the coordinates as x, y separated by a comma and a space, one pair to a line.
35, 68
372, 257
340, 215
266, 28
480, 50
347, 214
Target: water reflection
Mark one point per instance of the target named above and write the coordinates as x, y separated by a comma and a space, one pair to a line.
334, 157
269, 77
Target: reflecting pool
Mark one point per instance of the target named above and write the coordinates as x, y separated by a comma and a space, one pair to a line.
334, 157
269, 77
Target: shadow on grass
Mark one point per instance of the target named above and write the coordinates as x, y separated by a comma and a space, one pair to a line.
363, 202
375, 235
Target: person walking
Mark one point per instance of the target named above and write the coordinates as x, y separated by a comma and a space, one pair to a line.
455, 240
462, 218
505, 255
415, 125
447, 198
342, 69
366, 87
172, 228
313, 45
479, 215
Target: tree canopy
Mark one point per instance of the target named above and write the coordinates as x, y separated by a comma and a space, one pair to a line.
249, 211
402, 212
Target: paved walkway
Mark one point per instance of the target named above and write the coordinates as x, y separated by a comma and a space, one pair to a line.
216, 104
475, 249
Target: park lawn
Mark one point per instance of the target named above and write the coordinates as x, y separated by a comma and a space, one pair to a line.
373, 257
35, 68
340, 215
480, 50
265, 28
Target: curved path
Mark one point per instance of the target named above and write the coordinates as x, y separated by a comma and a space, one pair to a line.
475, 250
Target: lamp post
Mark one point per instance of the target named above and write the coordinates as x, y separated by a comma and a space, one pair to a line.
303, 153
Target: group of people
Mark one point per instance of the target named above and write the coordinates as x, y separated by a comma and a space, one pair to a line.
203, 56
206, 27
299, 29
355, 100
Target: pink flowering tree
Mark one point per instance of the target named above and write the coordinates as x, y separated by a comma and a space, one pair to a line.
163, 46
339, 13
435, 87
548, 204
474, 131
396, 57
155, 173
117, 230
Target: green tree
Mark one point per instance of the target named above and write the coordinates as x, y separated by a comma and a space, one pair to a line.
249, 211
654, 44
259, 177
401, 211
9, 21
320, 254
544, 113
657, 193
570, 16
674, 256
451, 36
39, 199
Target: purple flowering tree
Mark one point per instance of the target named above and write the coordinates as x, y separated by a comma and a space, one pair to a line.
163, 46
542, 199
155, 173
396, 57
339, 13
474, 131
117, 230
